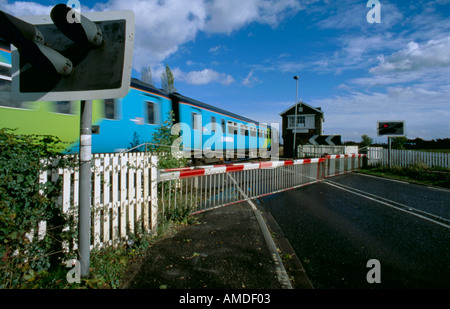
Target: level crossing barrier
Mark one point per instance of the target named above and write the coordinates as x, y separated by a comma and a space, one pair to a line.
130, 195
196, 189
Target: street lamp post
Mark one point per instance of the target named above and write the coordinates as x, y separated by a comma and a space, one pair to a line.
294, 151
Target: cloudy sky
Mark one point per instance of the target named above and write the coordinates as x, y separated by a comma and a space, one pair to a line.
241, 55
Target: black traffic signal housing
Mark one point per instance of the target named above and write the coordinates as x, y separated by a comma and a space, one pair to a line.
391, 128
58, 59
31, 44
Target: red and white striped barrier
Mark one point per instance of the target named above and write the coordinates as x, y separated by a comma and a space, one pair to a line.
179, 173
186, 172
345, 156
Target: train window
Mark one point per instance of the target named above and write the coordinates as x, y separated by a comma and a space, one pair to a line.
252, 131
195, 121
244, 130
213, 124
5, 69
232, 128
5, 95
63, 107
223, 126
151, 112
5, 85
110, 109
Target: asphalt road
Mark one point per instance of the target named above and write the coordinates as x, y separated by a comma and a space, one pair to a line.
338, 225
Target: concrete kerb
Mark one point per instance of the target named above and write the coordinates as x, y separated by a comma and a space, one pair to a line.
292, 264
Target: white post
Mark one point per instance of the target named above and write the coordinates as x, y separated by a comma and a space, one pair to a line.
154, 194
84, 214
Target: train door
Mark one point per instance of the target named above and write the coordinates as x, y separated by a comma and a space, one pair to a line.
213, 131
253, 142
243, 140
224, 134
231, 139
247, 137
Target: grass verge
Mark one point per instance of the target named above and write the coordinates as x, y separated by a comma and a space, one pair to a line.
417, 173
108, 265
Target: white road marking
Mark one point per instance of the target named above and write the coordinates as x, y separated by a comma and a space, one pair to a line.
410, 210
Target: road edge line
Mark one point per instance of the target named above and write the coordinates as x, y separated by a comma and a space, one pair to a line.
282, 275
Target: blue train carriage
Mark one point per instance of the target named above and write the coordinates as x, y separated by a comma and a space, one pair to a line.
134, 117
132, 120
208, 132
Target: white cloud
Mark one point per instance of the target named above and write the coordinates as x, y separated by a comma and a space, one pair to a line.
230, 15
203, 77
426, 63
163, 26
250, 80
22, 8
434, 53
217, 49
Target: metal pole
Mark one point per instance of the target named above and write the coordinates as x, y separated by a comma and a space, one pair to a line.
84, 214
294, 151
390, 154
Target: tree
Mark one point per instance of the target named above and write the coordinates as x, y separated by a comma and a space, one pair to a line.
135, 143
399, 142
146, 75
366, 141
167, 80
162, 141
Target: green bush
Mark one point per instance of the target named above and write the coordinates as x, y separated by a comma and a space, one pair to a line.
24, 203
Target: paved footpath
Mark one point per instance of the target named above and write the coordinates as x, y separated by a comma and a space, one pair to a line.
226, 249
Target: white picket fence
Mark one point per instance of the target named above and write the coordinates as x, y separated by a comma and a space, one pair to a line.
124, 196
404, 158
